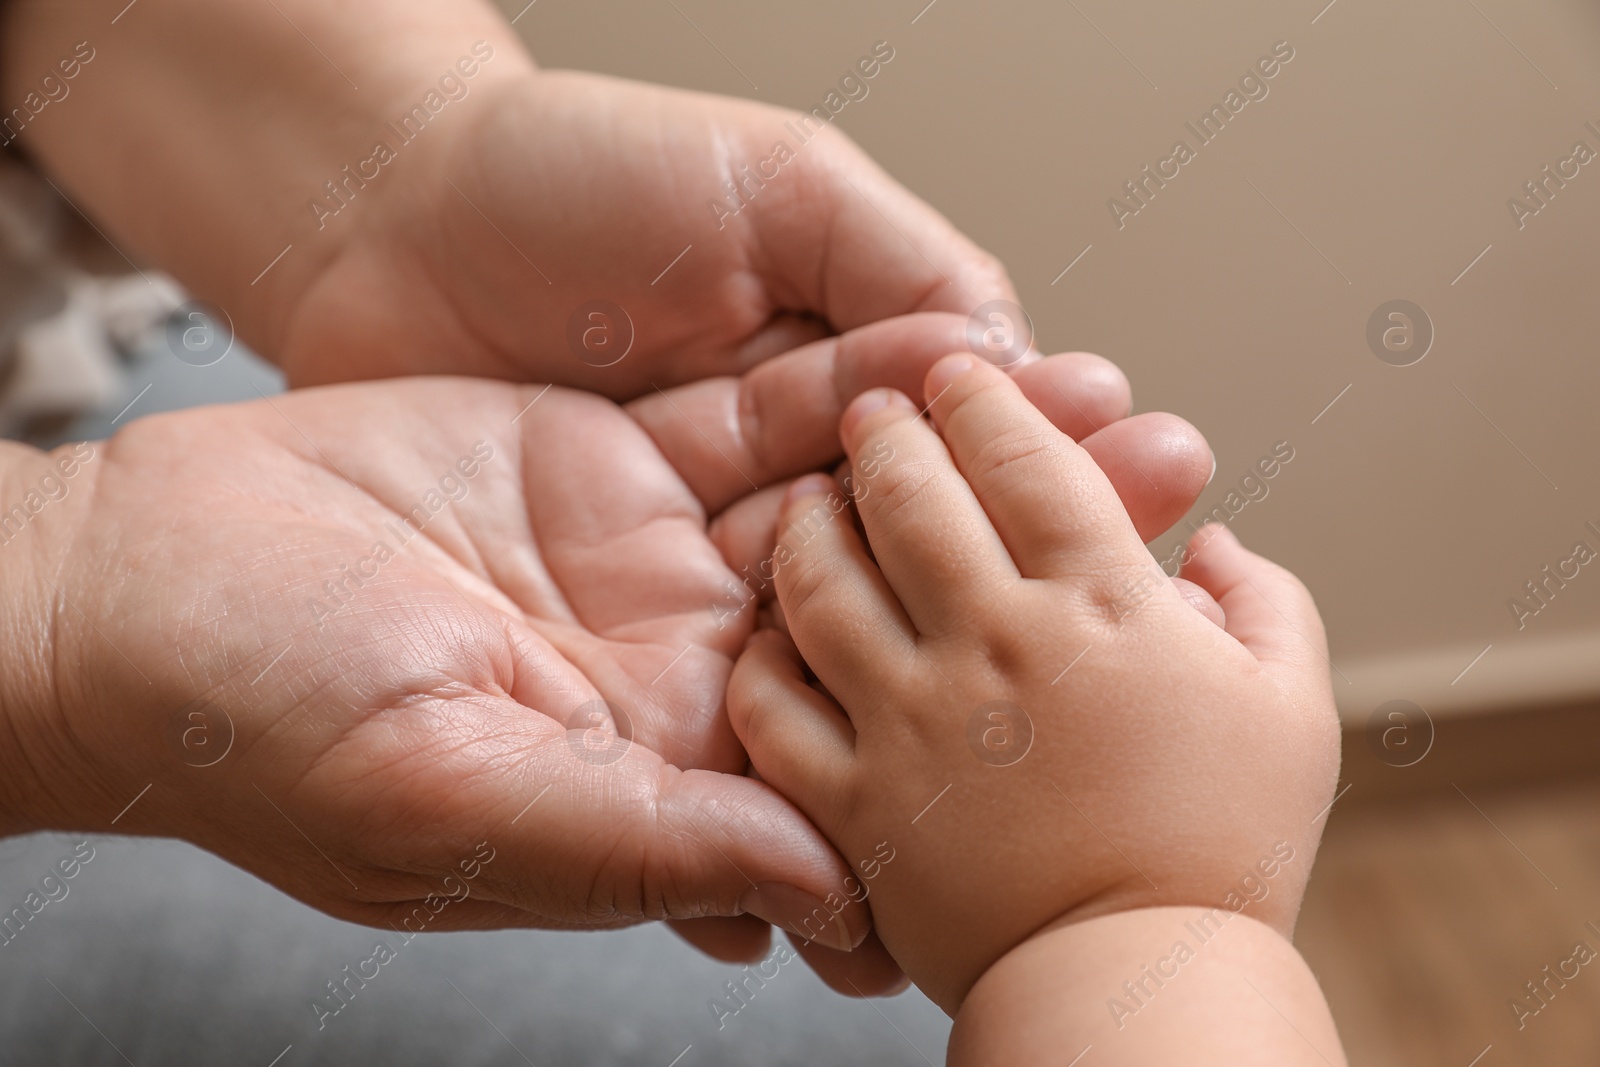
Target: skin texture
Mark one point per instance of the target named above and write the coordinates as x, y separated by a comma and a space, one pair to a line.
397, 731
1169, 758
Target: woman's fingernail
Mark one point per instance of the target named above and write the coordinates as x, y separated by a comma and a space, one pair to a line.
946, 371
810, 485
799, 913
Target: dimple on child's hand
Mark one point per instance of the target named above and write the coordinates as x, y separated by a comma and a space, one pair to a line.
1011, 696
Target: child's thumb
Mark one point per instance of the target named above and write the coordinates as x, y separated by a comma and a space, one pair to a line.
1268, 609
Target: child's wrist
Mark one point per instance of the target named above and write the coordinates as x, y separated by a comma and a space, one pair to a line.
1145, 982
1268, 891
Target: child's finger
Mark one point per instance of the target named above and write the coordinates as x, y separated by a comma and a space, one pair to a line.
746, 534
799, 741
1157, 463
1268, 610
928, 531
1048, 500
836, 604
1201, 601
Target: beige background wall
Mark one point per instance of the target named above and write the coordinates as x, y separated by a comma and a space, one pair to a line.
1387, 148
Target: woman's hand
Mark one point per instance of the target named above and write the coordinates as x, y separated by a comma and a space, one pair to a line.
564, 219
347, 635
237, 145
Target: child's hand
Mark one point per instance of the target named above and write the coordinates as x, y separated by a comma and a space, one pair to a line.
1023, 708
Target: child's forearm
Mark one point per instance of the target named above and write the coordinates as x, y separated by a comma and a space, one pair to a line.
198, 132
1164, 985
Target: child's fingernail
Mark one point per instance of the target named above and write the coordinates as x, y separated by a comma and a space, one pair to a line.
810, 485
870, 402
1213, 475
798, 912
946, 371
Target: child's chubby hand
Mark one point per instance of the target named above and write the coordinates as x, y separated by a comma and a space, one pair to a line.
1014, 700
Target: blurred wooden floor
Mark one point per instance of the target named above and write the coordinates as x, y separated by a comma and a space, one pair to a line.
1443, 888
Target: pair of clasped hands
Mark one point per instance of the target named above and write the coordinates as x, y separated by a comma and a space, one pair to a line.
219, 569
